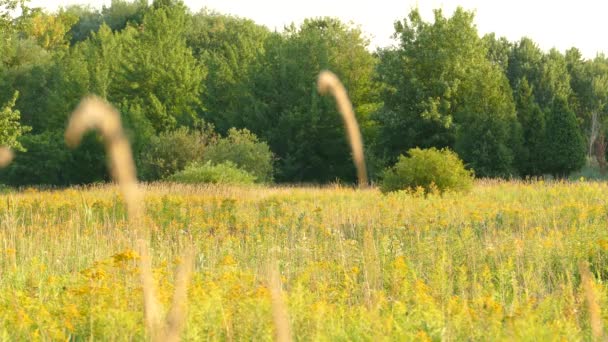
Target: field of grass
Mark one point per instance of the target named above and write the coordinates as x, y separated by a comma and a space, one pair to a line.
500, 263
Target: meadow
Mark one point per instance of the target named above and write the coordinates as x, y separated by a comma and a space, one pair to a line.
498, 263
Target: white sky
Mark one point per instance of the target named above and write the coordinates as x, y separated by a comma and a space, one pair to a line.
558, 23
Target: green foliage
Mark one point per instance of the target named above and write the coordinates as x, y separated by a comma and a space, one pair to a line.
441, 90
51, 31
159, 70
6, 19
170, 152
498, 50
121, 13
88, 21
232, 49
10, 128
530, 157
223, 173
442, 85
303, 129
487, 131
564, 144
48, 161
243, 149
29, 71
430, 169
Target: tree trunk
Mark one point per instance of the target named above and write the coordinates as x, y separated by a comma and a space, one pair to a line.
600, 152
593, 134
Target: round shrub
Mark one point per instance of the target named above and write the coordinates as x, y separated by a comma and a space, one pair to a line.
170, 152
243, 148
224, 173
430, 169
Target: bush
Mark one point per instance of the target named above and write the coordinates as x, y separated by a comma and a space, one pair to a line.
170, 152
243, 148
224, 173
429, 169
48, 161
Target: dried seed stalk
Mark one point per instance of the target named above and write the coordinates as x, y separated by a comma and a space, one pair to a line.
329, 82
94, 113
279, 309
177, 314
152, 314
6, 156
593, 307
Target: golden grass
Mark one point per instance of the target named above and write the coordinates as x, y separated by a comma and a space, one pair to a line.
498, 263
329, 83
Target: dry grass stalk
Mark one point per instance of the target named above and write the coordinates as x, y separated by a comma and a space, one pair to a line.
371, 266
177, 314
329, 82
279, 309
152, 314
593, 306
6, 156
95, 113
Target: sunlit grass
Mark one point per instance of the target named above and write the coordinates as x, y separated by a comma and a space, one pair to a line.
498, 263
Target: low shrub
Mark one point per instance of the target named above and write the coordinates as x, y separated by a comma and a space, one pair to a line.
224, 173
429, 169
172, 151
246, 151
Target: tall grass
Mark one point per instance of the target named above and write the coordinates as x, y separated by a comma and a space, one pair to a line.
499, 263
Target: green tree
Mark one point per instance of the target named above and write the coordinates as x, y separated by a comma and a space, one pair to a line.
487, 133
122, 13
564, 144
441, 90
88, 21
50, 31
525, 60
159, 70
530, 158
7, 7
302, 128
232, 49
49, 161
498, 49
538, 81
27, 70
555, 80
589, 97
10, 128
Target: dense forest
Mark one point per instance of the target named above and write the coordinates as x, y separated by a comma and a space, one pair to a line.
184, 81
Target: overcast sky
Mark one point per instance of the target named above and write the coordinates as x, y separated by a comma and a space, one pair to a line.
558, 23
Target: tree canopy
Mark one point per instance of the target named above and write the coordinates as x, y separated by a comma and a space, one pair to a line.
507, 108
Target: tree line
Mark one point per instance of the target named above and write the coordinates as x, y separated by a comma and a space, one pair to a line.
183, 79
